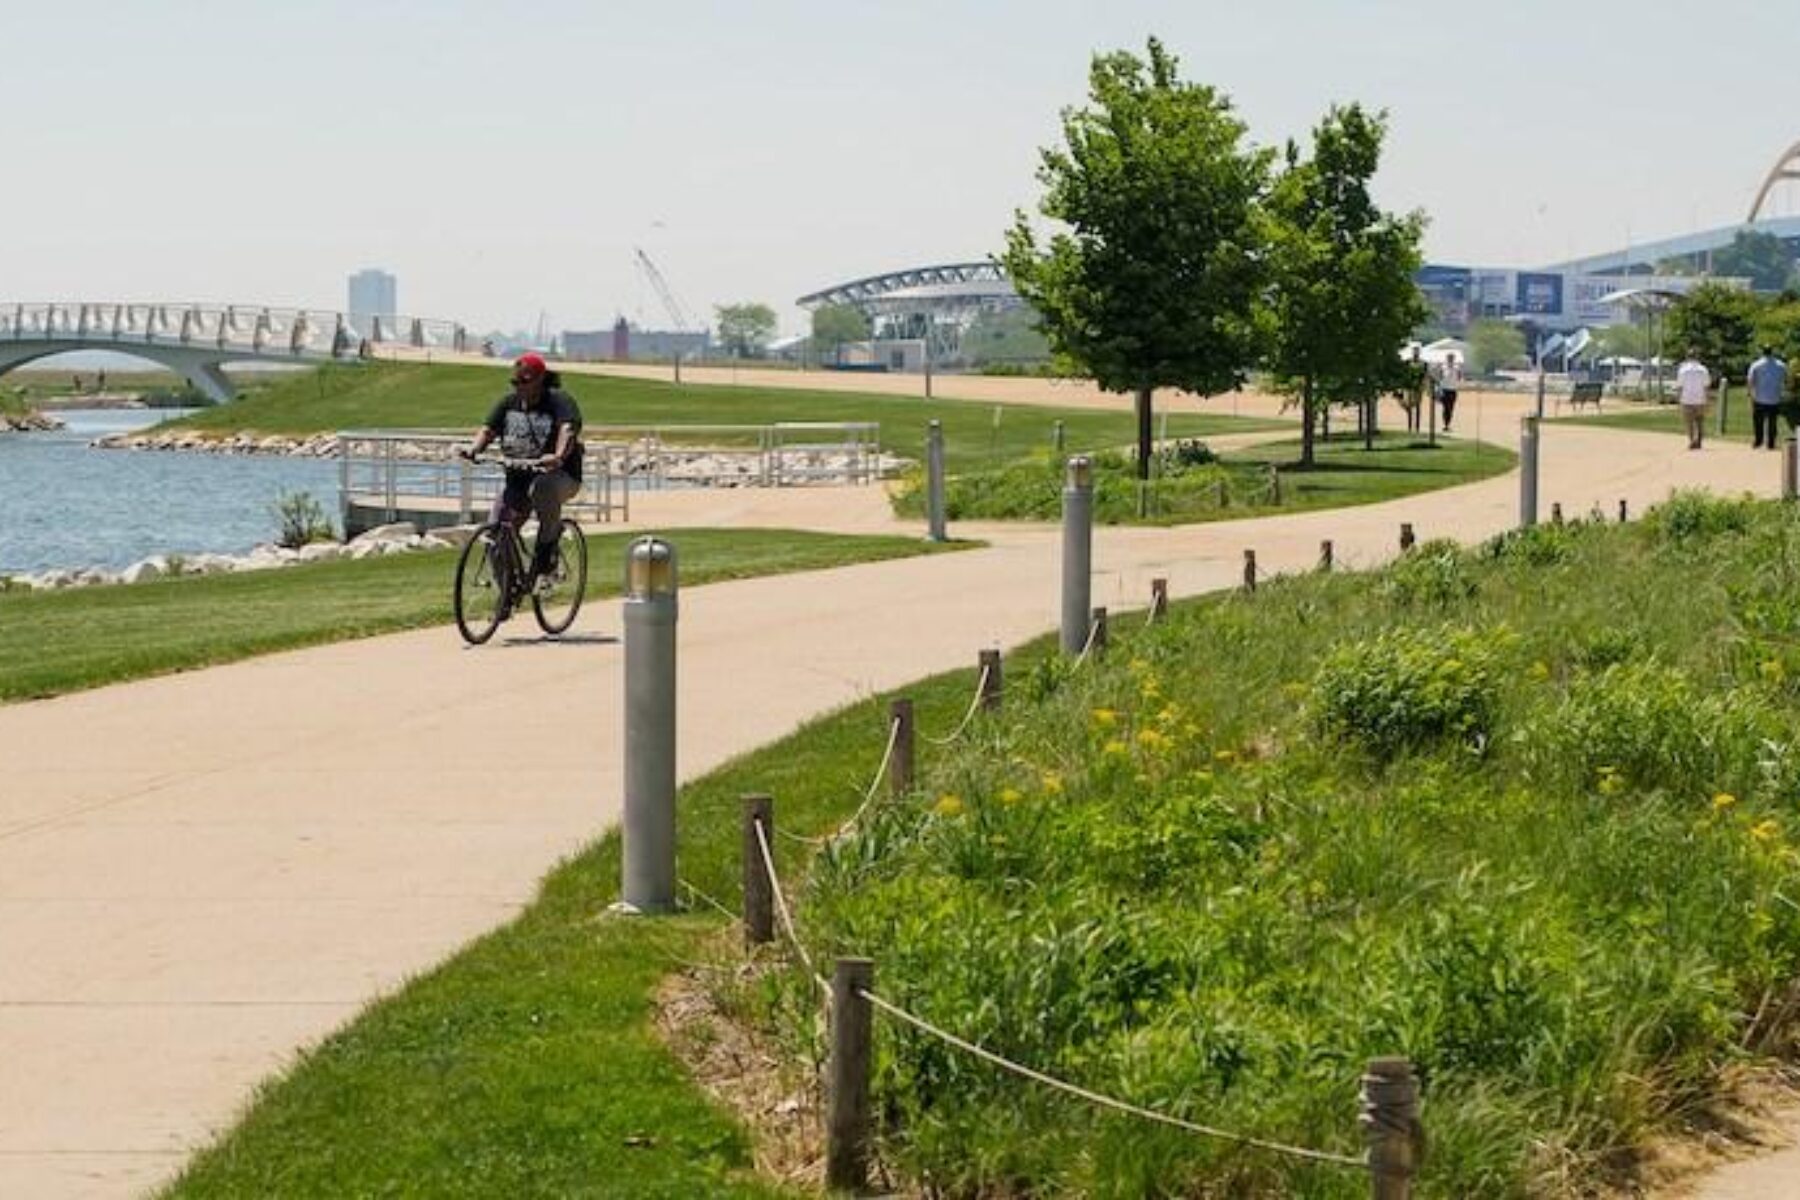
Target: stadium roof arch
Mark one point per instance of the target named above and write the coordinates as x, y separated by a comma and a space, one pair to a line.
947, 286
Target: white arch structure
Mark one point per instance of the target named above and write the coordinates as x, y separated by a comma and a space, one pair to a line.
1786, 167
197, 340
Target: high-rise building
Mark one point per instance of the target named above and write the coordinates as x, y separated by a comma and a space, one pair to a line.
373, 293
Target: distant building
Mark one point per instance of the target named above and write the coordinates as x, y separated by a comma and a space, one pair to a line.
373, 293
625, 342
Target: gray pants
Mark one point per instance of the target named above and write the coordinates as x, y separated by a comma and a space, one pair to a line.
541, 493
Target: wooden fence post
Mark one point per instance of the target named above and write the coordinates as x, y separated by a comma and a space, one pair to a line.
1390, 1119
1407, 539
1624, 512
1159, 599
847, 1111
759, 889
990, 680
1249, 570
900, 771
1556, 512
1098, 632
1325, 555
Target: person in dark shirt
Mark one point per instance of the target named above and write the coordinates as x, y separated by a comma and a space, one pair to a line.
540, 422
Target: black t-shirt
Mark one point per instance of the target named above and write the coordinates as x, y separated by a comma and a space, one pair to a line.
531, 432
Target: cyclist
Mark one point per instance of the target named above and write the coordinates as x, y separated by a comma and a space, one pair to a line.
538, 421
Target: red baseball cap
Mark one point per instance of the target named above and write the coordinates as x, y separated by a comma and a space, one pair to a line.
529, 366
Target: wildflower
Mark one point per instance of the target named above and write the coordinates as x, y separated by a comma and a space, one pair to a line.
1225, 757
1010, 796
1773, 670
948, 805
1114, 748
1138, 666
1540, 671
1105, 718
1610, 783
1765, 831
1170, 715
1723, 801
1153, 740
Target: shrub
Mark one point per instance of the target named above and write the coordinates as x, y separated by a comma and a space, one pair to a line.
1407, 687
1434, 575
301, 520
1695, 516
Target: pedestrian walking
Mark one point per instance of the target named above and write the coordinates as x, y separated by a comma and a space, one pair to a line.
1691, 380
1446, 381
1768, 386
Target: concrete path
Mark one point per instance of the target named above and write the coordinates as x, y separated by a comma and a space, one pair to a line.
200, 874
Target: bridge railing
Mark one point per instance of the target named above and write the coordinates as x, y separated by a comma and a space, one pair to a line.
250, 330
784, 454
395, 472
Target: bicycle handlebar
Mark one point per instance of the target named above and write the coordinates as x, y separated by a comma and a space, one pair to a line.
500, 460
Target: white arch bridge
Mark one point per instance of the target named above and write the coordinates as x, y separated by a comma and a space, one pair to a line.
198, 340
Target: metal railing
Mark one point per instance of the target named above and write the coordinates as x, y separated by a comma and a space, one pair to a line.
396, 470
251, 330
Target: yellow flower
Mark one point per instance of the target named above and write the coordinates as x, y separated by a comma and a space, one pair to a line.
1225, 757
1138, 666
1723, 801
1773, 670
1052, 783
1105, 718
949, 805
1010, 796
1114, 747
1765, 831
1540, 671
1153, 740
1610, 783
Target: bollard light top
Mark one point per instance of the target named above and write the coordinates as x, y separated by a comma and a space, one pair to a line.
650, 568
1080, 471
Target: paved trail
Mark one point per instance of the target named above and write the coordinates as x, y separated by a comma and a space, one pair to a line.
201, 873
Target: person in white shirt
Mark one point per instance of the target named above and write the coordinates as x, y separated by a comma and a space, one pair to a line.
1693, 379
1447, 379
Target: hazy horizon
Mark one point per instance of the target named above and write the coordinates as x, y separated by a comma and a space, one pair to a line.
504, 164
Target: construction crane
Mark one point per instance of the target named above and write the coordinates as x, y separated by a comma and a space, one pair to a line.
677, 311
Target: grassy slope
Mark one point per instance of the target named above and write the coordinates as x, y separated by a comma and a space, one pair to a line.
53, 642
457, 397
1568, 934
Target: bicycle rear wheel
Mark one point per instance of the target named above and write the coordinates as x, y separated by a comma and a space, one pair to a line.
557, 597
482, 571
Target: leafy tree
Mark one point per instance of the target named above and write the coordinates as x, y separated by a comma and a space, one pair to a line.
1010, 336
1623, 341
1778, 326
1762, 258
745, 328
835, 324
1151, 281
1720, 323
1343, 301
1494, 344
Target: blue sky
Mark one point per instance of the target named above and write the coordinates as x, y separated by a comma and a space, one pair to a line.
504, 160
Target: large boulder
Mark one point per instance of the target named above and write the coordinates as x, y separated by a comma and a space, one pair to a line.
399, 531
143, 571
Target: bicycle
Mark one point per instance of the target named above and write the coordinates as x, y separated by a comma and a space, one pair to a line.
493, 580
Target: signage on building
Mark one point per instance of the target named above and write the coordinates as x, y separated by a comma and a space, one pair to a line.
1540, 293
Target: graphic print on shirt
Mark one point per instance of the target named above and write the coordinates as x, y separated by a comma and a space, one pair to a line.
527, 434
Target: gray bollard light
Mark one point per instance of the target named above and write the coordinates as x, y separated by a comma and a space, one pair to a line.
1528, 471
934, 480
1077, 552
651, 609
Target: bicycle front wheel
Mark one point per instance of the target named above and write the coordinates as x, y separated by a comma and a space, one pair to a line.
479, 597
557, 597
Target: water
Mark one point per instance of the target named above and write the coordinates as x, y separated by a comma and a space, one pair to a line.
64, 505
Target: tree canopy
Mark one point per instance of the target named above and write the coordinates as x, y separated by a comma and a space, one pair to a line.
745, 329
1152, 274
1762, 258
1494, 344
1342, 300
1718, 322
835, 324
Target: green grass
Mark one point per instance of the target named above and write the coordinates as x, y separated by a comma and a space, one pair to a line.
414, 396
527, 1065
1238, 485
54, 642
1524, 814
1666, 418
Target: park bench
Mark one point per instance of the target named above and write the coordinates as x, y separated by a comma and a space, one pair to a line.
1586, 393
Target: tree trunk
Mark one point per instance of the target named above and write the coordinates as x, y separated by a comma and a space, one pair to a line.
1369, 408
1143, 422
1306, 422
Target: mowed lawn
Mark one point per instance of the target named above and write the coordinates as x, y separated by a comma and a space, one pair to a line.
416, 396
1666, 418
54, 642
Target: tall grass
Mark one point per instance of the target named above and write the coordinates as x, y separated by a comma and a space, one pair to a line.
1525, 813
